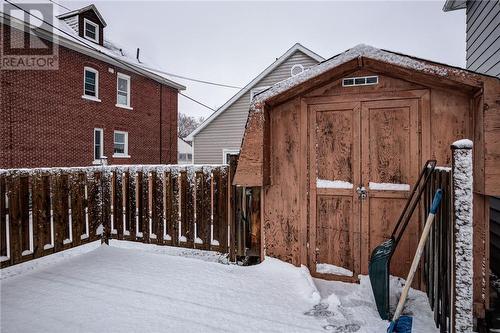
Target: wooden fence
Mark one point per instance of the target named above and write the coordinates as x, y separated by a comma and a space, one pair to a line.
43, 211
438, 257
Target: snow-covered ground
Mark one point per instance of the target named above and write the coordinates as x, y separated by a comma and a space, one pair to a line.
129, 287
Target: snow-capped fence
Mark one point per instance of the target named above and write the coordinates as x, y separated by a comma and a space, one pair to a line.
43, 211
448, 261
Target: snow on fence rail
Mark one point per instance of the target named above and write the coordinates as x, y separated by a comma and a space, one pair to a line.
47, 210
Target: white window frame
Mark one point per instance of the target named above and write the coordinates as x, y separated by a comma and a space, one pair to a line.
125, 153
96, 72
98, 161
296, 66
226, 151
125, 77
257, 90
87, 21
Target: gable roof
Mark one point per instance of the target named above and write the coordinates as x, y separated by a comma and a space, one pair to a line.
63, 34
250, 170
251, 84
81, 10
366, 51
450, 5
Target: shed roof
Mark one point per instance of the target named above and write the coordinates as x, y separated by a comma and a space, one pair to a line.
296, 47
250, 166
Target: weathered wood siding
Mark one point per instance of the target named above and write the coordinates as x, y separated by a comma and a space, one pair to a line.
226, 131
284, 226
483, 37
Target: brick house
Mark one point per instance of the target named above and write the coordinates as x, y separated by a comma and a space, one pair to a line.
98, 103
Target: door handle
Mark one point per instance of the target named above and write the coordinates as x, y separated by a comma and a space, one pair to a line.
362, 192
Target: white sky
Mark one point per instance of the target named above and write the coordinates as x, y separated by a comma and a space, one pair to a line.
232, 42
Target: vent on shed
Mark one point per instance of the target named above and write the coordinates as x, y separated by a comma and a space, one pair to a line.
359, 81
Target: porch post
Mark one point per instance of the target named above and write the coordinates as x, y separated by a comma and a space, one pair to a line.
463, 255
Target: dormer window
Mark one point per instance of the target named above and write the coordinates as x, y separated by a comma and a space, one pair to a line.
91, 30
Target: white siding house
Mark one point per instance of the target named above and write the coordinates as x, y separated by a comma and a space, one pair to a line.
482, 34
222, 132
184, 152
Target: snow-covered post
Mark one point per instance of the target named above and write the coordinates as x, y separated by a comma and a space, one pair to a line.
462, 203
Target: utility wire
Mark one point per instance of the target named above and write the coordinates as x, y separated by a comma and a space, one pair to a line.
198, 102
62, 6
99, 51
172, 74
195, 80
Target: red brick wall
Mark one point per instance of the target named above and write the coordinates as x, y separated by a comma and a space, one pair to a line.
45, 121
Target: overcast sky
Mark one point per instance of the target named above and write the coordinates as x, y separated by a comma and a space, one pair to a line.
232, 42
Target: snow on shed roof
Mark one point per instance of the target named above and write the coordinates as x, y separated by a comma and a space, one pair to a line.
254, 82
361, 50
66, 36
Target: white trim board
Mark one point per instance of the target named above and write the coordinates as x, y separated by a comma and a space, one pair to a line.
249, 86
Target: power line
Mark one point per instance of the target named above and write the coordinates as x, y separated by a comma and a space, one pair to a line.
171, 74
62, 6
198, 102
192, 79
93, 48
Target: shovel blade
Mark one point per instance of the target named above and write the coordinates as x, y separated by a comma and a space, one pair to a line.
402, 325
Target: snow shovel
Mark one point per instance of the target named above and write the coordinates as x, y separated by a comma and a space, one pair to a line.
380, 260
402, 324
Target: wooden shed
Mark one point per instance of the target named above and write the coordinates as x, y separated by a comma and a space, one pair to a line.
366, 119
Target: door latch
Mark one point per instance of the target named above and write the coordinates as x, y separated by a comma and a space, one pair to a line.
362, 192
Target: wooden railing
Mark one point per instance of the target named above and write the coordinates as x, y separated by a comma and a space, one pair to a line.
438, 257
43, 211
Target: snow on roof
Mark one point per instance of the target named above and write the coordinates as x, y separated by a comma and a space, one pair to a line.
361, 50
66, 36
81, 10
296, 47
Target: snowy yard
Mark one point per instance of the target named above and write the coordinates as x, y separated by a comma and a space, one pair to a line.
128, 287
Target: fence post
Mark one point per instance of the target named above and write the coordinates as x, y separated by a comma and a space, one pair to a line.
463, 254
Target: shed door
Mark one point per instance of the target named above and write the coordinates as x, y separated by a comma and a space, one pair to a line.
336, 162
360, 145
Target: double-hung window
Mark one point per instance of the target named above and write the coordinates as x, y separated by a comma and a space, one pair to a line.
98, 144
120, 148
91, 30
123, 91
90, 84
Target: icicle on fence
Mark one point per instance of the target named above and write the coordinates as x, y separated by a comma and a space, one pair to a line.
43, 211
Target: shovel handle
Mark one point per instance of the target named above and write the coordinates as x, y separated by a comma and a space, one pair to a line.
418, 254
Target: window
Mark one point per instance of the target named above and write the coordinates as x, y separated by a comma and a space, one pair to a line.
296, 69
90, 84
227, 153
98, 145
255, 91
359, 81
91, 30
123, 91
120, 148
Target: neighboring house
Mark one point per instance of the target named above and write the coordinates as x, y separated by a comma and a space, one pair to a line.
483, 34
220, 135
98, 103
185, 152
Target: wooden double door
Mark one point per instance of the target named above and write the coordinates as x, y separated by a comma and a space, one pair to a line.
364, 157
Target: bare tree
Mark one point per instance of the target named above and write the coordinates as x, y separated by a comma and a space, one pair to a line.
186, 124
